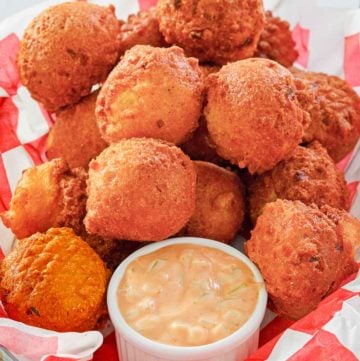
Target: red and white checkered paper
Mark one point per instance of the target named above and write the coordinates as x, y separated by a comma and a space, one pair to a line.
327, 33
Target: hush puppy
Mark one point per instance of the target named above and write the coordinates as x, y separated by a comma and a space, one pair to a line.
302, 254
54, 280
253, 115
66, 50
309, 175
219, 209
141, 28
276, 42
75, 136
140, 189
212, 30
152, 92
335, 113
48, 195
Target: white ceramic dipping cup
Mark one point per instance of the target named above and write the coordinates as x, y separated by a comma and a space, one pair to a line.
132, 346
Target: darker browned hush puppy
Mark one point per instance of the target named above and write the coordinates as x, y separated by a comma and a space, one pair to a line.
212, 30
309, 175
63, 53
302, 253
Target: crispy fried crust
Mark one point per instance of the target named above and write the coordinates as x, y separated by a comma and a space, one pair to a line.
201, 147
75, 136
152, 92
253, 115
140, 189
276, 42
219, 209
349, 229
141, 28
301, 253
309, 175
211, 30
48, 195
335, 112
63, 54
54, 281
111, 251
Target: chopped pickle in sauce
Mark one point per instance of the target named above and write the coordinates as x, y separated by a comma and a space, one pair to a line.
187, 295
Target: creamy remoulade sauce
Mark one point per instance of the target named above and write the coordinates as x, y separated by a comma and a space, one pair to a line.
187, 295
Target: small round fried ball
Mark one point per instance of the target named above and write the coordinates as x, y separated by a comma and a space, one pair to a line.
302, 254
212, 30
153, 93
253, 115
219, 209
335, 113
66, 50
276, 42
141, 28
78, 120
54, 280
140, 189
48, 195
309, 175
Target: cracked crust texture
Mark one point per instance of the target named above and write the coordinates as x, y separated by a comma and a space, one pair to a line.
302, 254
219, 209
335, 112
253, 115
140, 189
48, 195
75, 136
309, 175
212, 30
276, 42
66, 50
54, 281
141, 28
152, 92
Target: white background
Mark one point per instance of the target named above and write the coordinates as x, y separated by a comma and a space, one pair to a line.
11, 7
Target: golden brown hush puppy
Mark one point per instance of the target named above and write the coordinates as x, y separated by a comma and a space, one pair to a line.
276, 42
66, 50
75, 136
219, 209
55, 281
212, 30
309, 175
141, 28
302, 254
152, 92
335, 113
253, 115
48, 195
140, 189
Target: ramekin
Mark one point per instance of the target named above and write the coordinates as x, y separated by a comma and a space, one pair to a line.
132, 346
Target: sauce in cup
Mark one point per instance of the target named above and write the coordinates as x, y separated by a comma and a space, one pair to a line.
187, 295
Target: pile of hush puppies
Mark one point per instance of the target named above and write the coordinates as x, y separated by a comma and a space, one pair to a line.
187, 119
